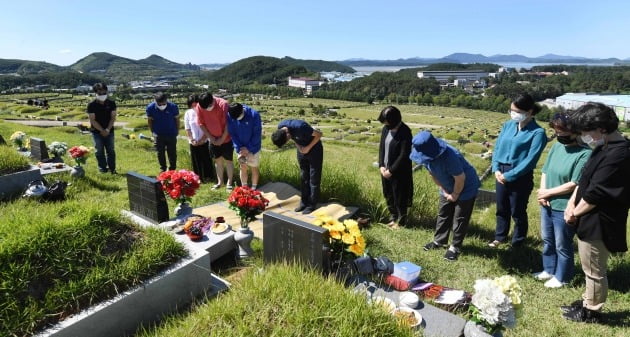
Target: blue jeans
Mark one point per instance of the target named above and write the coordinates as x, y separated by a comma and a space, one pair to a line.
103, 146
512, 198
557, 236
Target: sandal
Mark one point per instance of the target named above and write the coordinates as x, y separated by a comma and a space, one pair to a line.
495, 244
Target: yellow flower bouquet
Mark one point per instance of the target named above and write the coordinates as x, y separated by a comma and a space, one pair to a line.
346, 240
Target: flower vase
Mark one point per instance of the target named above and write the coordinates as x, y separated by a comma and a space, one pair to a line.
77, 172
472, 329
182, 210
243, 238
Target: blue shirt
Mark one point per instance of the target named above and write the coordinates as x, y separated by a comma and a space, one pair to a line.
519, 148
301, 132
164, 120
247, 132
449, 164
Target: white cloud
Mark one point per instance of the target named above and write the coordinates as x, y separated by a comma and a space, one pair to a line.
65, 51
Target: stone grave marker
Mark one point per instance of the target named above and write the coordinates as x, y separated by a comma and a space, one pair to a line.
39, 151
291, 239
146, 198
485, 198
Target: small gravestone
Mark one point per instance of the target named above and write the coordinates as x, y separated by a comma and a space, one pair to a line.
2, 141
146, 198
39, 151
292, 240
485, 198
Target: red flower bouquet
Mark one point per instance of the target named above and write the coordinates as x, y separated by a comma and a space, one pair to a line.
180, 185
79, 154
247, 203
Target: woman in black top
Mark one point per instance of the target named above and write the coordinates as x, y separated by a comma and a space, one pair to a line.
395, 165
599, 205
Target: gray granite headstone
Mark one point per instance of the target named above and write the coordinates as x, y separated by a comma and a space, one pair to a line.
39, 151
292, 240
485, 198
146, 198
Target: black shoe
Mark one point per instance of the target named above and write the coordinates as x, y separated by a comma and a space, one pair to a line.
102, 170
451, 255
432, 245
114, 172
300, 208
308, 210
583, 315
572, 306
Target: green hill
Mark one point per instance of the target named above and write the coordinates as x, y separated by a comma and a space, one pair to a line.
23, 67
261, 69
319, 65
124, 69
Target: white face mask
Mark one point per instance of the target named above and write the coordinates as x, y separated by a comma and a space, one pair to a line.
592, 143
240, 117
101, 97
517, 116
161, 107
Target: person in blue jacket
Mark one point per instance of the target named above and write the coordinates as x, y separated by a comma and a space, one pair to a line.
245, 128
163, 120
516, 153
458, 183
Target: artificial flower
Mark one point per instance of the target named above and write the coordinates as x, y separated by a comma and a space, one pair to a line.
180, 185
247, 203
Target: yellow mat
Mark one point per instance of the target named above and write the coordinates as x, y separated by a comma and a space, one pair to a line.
283, 199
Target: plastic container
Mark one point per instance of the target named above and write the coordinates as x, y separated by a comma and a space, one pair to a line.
407, 271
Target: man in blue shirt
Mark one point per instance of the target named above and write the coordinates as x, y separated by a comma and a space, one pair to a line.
310, 156
458, 184
164, 124
245, 128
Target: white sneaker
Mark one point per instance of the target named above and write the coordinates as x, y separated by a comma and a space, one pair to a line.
543, 275
554, 283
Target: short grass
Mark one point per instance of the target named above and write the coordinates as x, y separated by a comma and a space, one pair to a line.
11, 161
350, 178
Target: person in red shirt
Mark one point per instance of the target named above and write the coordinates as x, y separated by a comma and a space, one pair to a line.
212, 118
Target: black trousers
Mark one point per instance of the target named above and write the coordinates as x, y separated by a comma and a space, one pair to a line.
168, 143
202, 162
311, 175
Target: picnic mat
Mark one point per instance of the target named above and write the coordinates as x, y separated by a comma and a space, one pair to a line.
283, 199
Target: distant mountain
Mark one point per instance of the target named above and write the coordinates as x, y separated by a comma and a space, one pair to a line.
23, 67
478, 58
261, 69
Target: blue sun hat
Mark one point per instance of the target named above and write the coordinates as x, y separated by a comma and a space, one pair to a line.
425, 147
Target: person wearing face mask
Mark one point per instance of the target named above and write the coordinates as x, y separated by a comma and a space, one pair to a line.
395, 165
516, 153
245, 128
212, 118
598, 207
560, 175
163, 119
102, 115
199, 145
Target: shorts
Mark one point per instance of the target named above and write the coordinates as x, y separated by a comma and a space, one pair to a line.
251, 159
224, 150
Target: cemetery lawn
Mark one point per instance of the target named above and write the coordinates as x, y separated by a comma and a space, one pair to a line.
271, 300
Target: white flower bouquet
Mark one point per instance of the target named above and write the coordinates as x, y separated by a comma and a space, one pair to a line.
496, 303
58, 149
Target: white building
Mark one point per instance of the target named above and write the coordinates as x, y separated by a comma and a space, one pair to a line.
308, 84
619, 103
445, 76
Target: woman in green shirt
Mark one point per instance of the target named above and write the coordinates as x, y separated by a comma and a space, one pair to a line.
560, 176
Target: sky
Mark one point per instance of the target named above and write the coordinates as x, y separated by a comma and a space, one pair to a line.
64, 31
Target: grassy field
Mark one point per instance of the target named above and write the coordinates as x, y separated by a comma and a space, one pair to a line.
261, 291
